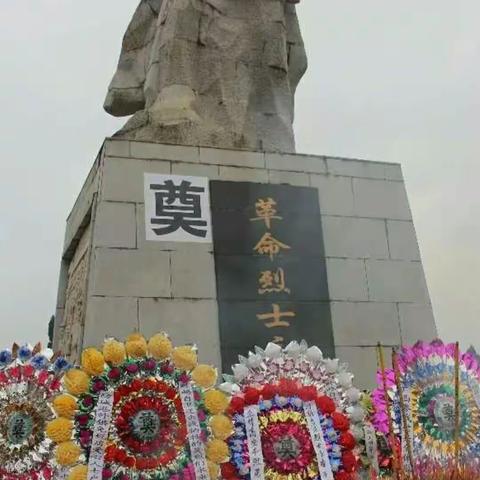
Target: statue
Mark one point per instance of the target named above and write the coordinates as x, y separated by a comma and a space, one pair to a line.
220, 73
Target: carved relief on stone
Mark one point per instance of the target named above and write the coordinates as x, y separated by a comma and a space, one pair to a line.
71, 335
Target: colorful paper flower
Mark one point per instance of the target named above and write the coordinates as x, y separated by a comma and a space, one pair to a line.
427, 376
29, 382
288, 450
303, 364
147, 436
282, 382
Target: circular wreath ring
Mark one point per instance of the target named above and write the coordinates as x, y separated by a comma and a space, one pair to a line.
286, 443
308, 366
29, 382
147, 435
427, 376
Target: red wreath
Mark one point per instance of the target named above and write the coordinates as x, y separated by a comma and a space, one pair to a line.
299, 433
147, 455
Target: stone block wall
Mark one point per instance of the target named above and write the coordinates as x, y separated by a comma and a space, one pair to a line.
375, 276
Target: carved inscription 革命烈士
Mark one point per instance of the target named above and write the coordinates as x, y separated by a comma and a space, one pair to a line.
270, 267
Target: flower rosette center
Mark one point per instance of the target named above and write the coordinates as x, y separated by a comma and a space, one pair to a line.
287, 447
149, 424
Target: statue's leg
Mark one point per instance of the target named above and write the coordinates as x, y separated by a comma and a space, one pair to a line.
170, 89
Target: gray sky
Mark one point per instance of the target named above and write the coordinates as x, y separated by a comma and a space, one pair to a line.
396, 81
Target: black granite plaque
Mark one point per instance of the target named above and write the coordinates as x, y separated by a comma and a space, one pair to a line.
270, 267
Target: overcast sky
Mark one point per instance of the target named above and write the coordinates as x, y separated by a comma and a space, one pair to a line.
395, 81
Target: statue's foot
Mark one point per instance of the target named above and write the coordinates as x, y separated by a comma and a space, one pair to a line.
121, 102
173, 106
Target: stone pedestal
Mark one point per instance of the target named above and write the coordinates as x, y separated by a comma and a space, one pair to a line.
114, 281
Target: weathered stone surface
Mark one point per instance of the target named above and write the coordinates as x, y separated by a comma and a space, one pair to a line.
237, 174
210, 171
347, 279
131, 273
158, 151
115, 225
210, 72
117, 148
381, 199
186, 280
417, 323
217, 156
396, 281
71, 329
296, 163
123, 179
364, 169
363, 363
79, 217
110, 317
349, 237
289, 178
365, 323
336, 194
402, 240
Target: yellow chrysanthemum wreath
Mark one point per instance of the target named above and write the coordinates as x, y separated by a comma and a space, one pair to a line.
147, 433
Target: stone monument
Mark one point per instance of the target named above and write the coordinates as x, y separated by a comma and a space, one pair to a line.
197, 217
219, 73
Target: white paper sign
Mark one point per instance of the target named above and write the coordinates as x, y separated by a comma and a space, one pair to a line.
103, 418
254, 441
408, 428
197, 448
316, 434
371, 446
177, 208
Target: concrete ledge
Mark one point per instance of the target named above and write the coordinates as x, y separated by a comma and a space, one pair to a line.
296, 163
335, 194
364, 169
158, 151
381, 199
299, 162
210, 171
122, 179
238, 174
117, 148
239, 158
289, 178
